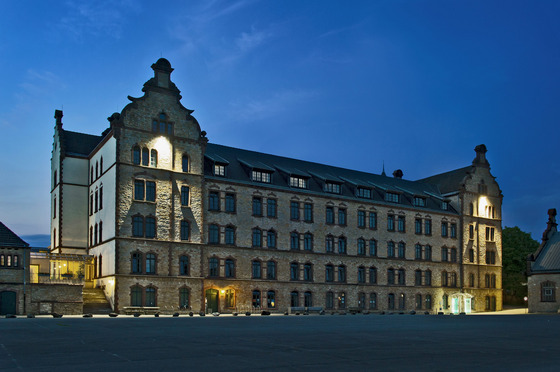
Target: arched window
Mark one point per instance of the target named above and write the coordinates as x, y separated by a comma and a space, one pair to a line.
137, 226
153, 158
185, 230
136, 155
391, 301
271, 239
342, 245
444, 278
372, 275
329, 273
257, 269
101, 166
184, 265
402, 250
257, 237
373, 301
150, 263
271, 299
361, 274
307, 299
390, 276
136, 261
329, 244
308, 241
361, 246
402, 277
390, 249
329, 300
428, 302
90, 236
213, 266
136, 296
150, 296
308, 272
294, 241
230, 235
256, 299
294, 299
418, 301
427, 278
271, 270
95, 234
145, 157
230, 268
373, 247
184, 298
294, 271
100, 232
342, 274
96, 170
418, 252
418, 277
185, 163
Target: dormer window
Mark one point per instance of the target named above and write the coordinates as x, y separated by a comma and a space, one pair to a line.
162, 125
419, 201
444, 205
392, 197
260, 176
363, 193
299, 182
219, 170
333, 188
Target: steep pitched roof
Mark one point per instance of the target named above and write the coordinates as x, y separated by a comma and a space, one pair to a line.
449, 181
80, 143
9, 239
240, 163
548, 258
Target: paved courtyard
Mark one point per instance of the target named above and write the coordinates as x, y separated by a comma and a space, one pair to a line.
313, 343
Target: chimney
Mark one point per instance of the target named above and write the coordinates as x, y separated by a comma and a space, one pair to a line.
58, 116
480, 156
398, 174
550, 225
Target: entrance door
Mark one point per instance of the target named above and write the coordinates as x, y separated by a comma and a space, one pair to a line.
7, 302
212, 300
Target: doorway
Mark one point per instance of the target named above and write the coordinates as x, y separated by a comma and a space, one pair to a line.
212, 300
7, 302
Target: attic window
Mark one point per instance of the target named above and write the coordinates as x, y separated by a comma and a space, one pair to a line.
333, 188
392, 197
419, 201
260, 176
444, 205
299, 182
219, 170
363, 193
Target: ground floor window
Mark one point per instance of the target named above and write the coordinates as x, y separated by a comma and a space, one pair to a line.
373, 301
329, 300
342, 300
256, 298
271, 299
548, 292
308, 299
184, 297
230, 298
294, 299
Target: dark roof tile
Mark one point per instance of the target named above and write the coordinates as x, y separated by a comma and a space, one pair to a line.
9, 239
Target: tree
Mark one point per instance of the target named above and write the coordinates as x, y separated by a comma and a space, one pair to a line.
516, 246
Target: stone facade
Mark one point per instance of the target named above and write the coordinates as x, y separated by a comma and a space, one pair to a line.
176, 243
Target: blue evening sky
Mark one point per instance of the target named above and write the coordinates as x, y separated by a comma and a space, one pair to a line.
414, 84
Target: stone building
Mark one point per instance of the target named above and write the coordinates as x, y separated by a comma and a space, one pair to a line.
543, 270
14, 279
177, 223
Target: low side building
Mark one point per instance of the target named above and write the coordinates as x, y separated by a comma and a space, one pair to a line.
14, 278
543, 270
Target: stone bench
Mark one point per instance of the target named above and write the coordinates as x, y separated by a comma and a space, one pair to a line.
145, 310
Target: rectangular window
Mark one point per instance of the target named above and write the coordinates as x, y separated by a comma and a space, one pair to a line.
363, 193
490, 234
372, 220
362, 219
150, 191
418, 226
444, 229
428, 227
471, 231
453, 230
444, 255
401, 224
271, 208
219, 170
138, 190
333, 188
185, 230
294, 211
444, 205
299, 182
257, 206
330, 215
390, 222
260, 176
308, 212
391, 197
184, 195
213, 201
230, 203
342, 217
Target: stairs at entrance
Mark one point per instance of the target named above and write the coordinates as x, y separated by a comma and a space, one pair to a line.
95, 301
